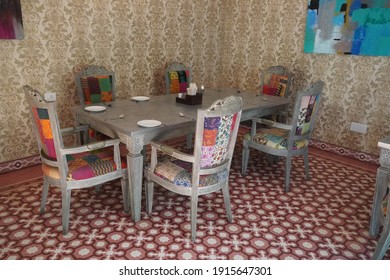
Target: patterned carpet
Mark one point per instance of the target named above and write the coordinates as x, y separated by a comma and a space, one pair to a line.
326, 217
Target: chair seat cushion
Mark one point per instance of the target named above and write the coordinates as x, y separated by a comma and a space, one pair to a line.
275, 138
86, 165
179, 173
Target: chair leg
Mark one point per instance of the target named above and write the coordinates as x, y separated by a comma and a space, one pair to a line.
149, 190
306, 161
66, 195
45, 191
98, 188
194, 211
226, 198
125, 194
245, 158
287, 174
383, 244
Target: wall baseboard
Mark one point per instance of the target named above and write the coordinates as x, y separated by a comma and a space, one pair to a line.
21, 163
365, 157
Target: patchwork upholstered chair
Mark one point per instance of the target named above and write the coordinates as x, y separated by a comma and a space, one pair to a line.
284, 140
76, 167
95, 84
177, 78
207, 169
381, 217
276, 80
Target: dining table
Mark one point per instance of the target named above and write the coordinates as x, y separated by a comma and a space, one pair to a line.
138, 120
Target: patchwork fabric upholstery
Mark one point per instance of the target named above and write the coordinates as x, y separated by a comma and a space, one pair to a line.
275, 84
97, 89
41, 118
305, 113
178, 81
179, 173
275, 138
86, 165
216, 138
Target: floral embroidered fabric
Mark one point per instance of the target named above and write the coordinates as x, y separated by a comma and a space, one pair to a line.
216, 138
275, 138
179, 173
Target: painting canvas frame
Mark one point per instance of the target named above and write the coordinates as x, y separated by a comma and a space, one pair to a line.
352, 27
11, 23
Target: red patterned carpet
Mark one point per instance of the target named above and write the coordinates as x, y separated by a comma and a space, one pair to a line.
326, 217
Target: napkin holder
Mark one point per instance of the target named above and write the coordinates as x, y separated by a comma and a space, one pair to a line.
191, 99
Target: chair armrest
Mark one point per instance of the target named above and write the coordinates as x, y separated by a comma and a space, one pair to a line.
91, 147
272, 123
74, 129
172, 152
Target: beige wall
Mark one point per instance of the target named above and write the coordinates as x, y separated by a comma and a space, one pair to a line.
227, 42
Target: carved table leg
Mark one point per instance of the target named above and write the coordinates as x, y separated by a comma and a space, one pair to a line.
135, 171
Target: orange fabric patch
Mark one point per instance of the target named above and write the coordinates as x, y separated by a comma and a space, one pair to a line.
46, 129
174, 82
106, 96
209, 137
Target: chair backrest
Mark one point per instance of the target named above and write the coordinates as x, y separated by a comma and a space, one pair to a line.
177, 78
95, 84
276, 80
305, 110
216, 133
46, 124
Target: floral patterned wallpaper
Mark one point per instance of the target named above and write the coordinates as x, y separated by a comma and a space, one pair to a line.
227, 43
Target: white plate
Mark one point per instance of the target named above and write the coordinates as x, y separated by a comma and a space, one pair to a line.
149, 123
95, 108
140, 98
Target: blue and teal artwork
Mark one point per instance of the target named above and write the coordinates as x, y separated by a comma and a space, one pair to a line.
355, 27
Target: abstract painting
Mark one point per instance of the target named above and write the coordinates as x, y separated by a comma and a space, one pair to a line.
355, 27
11, 24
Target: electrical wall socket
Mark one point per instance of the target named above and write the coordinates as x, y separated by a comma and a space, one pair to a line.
358, 127
50, 96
